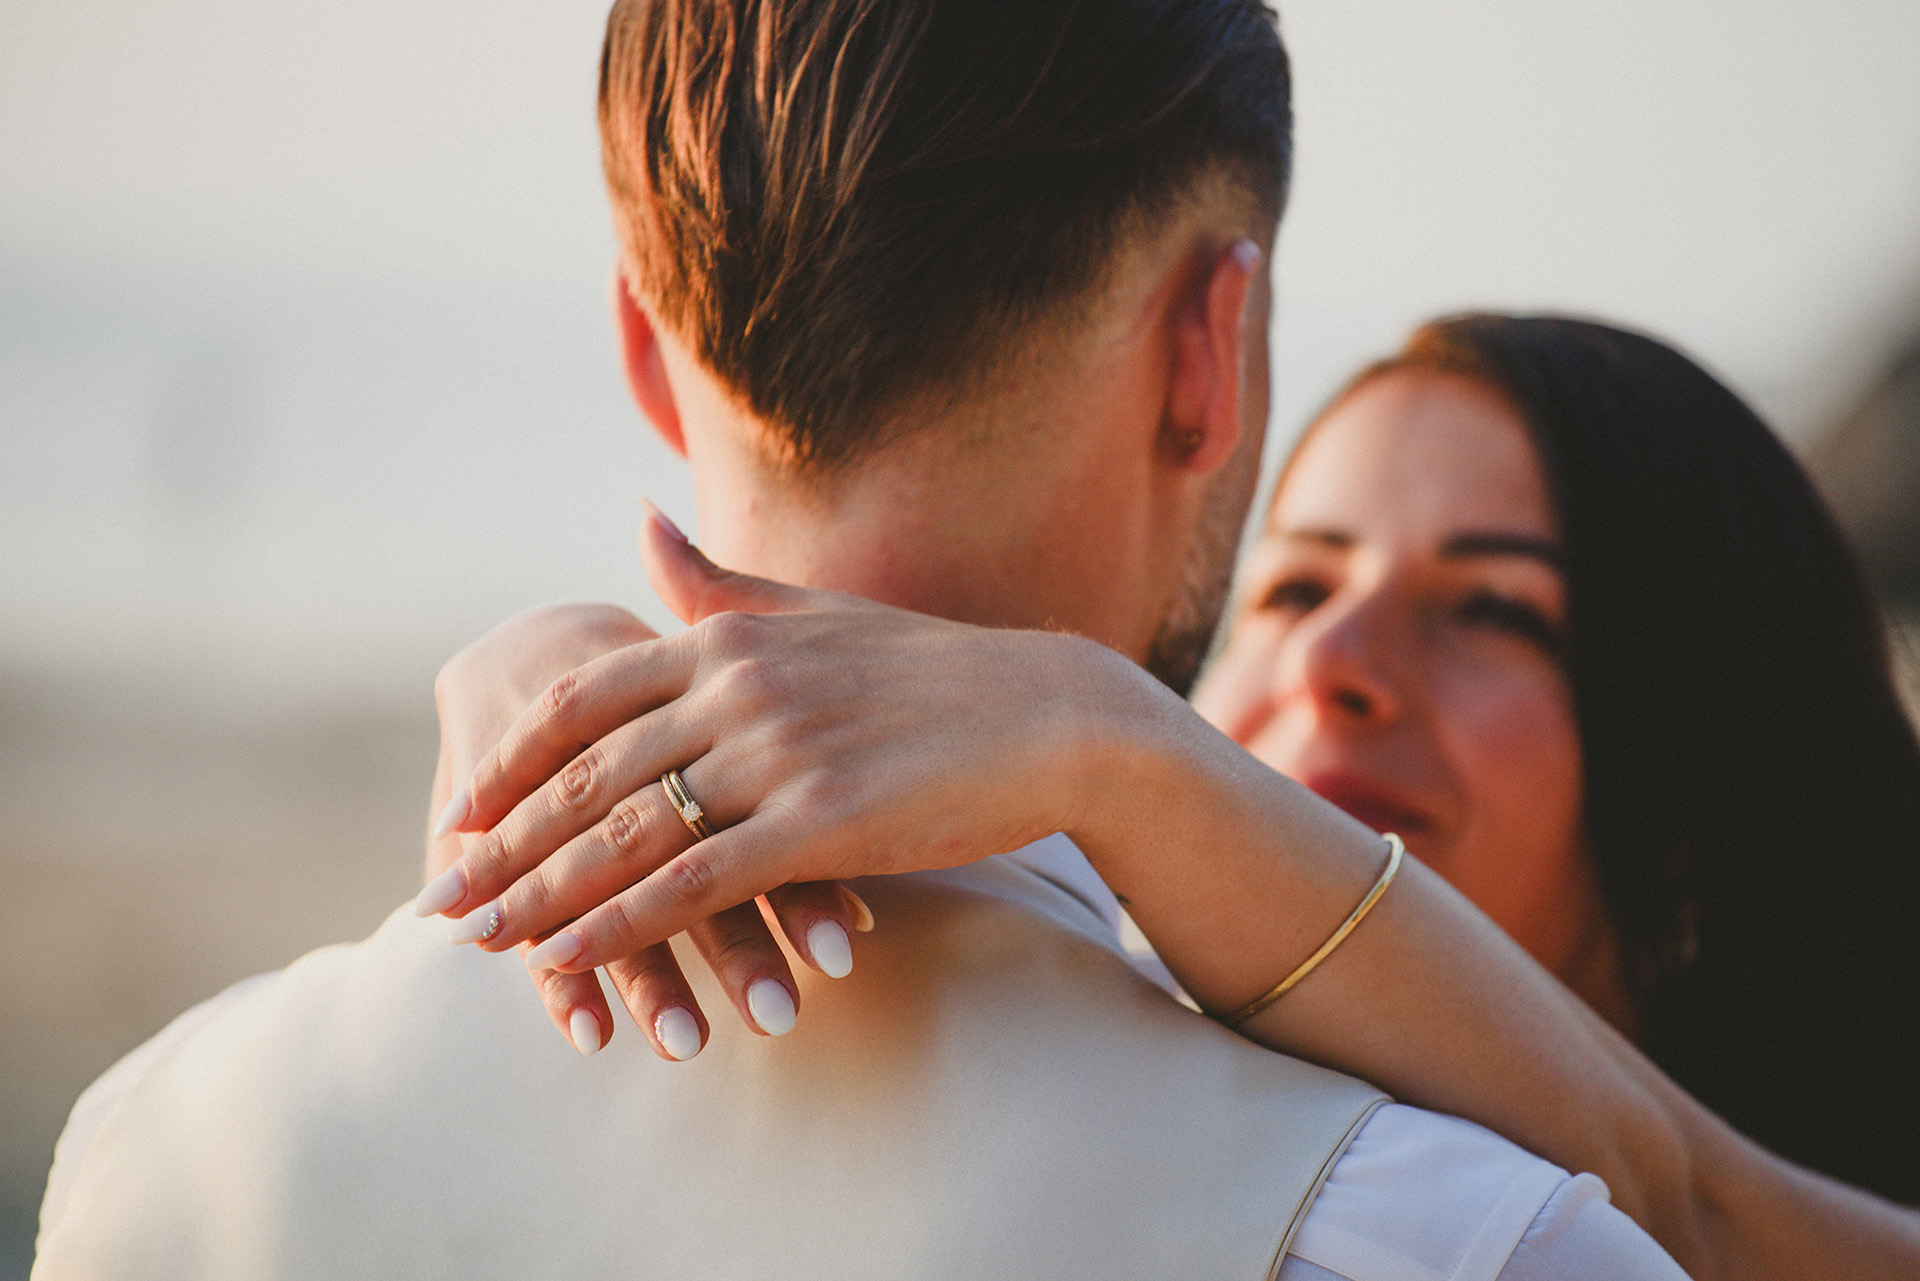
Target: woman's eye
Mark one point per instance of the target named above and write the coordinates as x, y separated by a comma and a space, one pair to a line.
1294, 596
1515, 618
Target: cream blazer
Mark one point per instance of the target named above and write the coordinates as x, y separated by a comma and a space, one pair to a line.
995, 1092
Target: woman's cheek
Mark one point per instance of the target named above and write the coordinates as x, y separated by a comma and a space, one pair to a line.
1526, 723
1528, 738
1236, 695
1516, 749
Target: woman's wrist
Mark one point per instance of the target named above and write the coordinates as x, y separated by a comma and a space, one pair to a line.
1113, 736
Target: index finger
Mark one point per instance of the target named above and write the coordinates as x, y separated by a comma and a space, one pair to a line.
579, 709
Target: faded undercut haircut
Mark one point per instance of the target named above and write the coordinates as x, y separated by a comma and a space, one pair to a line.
846, 206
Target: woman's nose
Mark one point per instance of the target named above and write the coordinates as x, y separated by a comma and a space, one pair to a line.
1345, 663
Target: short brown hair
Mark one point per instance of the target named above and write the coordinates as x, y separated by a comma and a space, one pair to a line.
843, 205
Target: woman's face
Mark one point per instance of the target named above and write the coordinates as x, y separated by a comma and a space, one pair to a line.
1397, 648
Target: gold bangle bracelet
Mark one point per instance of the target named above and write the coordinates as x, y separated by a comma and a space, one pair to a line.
1396, 850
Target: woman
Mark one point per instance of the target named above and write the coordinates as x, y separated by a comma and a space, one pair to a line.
1722, 858
1624, 856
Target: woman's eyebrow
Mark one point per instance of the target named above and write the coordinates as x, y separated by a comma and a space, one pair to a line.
1317, 534
1491, 543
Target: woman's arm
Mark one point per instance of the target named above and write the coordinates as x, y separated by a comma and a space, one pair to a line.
852, 739
1430, 1000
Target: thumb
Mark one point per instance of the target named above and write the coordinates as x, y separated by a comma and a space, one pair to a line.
693, 587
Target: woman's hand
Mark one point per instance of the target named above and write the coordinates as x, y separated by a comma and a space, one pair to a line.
824, 736
480, 693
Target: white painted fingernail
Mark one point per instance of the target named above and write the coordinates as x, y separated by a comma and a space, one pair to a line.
678, 1033
771, 1006
556, 951
477, 926
832, 950
455, 814
586, 1031
441, 893
862, 914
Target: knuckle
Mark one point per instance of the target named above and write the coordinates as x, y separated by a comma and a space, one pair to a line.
740, 950
577, 782
627, 829
562, 699
817, 790
492, 853
818, 800
590, 628
688, 880
755, 683
730, 631
532, 896
647, 971
556, 989
611, 625
616, 921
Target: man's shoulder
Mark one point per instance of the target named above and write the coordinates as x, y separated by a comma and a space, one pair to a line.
229, 1101
1419, 1194
381, 1107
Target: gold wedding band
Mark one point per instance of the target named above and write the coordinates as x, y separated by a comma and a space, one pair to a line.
683, 803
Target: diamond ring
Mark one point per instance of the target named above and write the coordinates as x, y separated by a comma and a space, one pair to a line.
683, 803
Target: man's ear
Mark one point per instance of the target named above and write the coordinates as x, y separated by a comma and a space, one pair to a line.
646, 371
1203, 424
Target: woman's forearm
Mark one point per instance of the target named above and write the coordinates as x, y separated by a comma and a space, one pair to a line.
1237, 874
1758, 1215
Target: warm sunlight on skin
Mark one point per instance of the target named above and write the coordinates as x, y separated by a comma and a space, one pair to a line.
1397, 648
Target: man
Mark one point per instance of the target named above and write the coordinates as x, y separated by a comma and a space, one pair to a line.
954, 307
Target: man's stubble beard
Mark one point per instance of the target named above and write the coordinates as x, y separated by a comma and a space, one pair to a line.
1185, 635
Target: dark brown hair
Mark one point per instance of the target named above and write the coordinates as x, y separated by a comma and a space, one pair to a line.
843, 205
1752, 783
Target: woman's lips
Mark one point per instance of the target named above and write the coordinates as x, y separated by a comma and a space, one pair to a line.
1378, 807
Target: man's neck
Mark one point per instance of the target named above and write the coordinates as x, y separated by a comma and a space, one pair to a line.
933, 534
1042, 500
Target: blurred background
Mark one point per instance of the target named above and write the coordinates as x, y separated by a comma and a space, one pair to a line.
306, 379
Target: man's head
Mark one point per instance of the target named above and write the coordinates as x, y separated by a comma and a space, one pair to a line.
886, 228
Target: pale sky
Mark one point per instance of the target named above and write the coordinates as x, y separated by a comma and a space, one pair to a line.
303, 353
